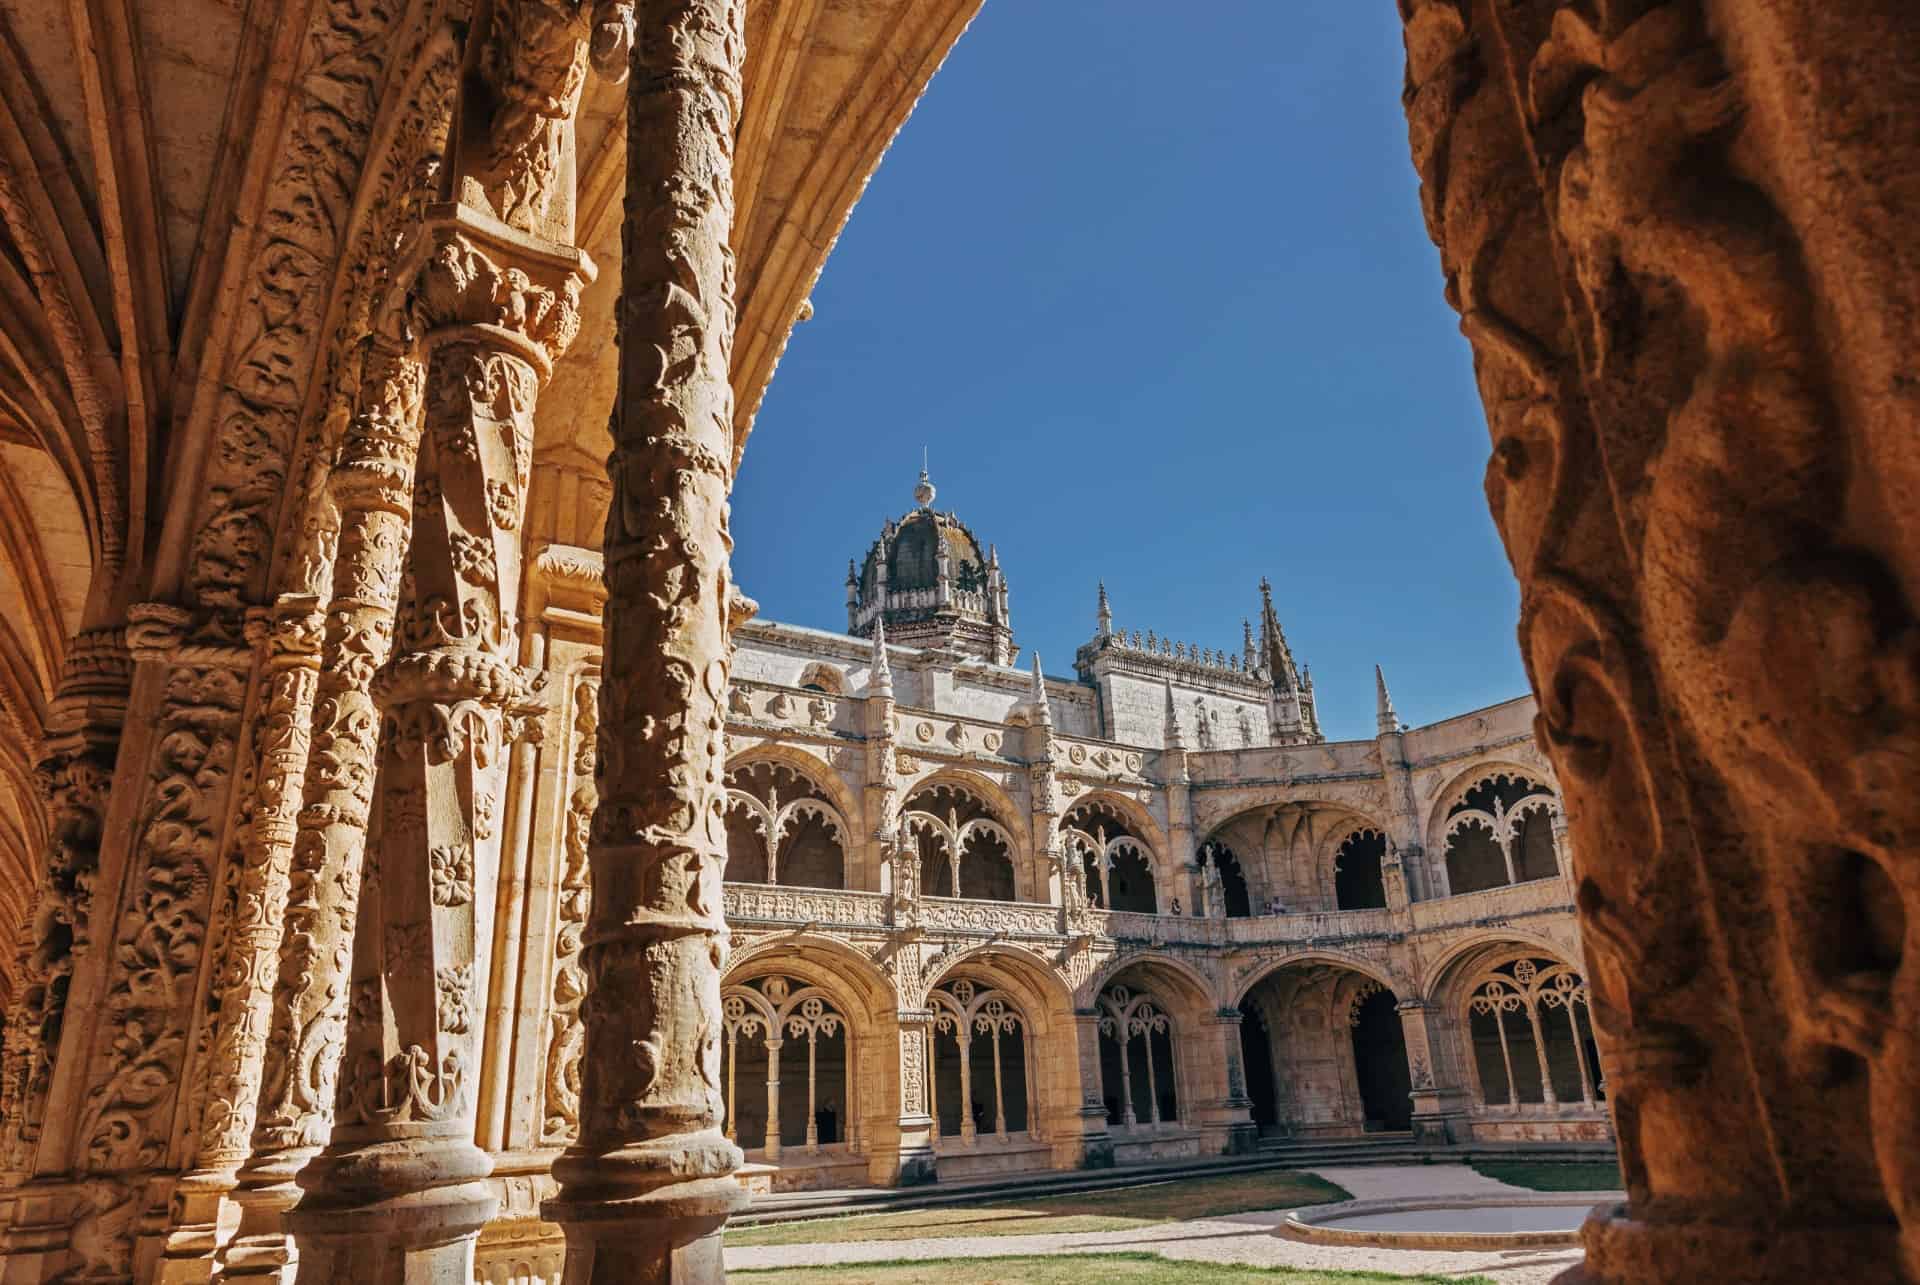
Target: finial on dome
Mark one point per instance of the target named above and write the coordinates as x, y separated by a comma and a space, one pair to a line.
923, 494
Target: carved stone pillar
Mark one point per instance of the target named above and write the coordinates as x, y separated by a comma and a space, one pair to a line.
398, 1193
287, 638
372, 484
1096, 1144
646, 1189
1229, 1115
914, 1160
1680, 239
75, 771
1439, 1108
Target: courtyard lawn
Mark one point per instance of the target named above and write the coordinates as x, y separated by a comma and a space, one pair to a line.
1111, 1210
1076, 1269
1581, 1175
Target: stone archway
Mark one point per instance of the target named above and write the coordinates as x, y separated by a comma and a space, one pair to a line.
1335, 1051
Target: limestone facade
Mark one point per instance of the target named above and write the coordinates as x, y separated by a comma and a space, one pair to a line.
369, 366
984, 920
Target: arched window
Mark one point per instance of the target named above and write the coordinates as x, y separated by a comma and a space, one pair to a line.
824, 678
1116, 861
1501, 832
782, 828
1237, 901
1532, 1036
1138, 1069
983, 1076
964, 849
769, 1110
1356, 871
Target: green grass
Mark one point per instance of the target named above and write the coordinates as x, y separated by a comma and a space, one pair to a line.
1075, 1269
1110, 1210
1582, 1175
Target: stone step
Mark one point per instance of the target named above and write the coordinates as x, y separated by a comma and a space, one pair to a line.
1273, 1154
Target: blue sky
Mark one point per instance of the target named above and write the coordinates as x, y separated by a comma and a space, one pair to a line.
1152, 287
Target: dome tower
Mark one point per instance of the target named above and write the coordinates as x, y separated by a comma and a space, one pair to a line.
928, 576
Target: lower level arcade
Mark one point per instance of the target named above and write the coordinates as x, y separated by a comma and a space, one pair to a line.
1166, 1054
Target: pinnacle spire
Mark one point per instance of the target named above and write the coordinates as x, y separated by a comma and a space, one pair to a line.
1383, 702
1043, 710
1105, 613
1176, 739
882, 680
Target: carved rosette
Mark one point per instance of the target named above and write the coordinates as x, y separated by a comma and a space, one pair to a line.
657, 942
291, 637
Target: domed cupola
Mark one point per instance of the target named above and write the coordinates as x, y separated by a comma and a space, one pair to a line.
928, 576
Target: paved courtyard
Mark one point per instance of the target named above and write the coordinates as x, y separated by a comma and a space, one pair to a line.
1249, 1238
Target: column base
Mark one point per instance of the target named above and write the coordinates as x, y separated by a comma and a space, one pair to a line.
1624, 1250
200, 1221
396, 1212
915, 1167
647, 1214
260, 1249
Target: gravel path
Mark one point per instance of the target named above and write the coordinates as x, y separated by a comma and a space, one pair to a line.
1247, 1238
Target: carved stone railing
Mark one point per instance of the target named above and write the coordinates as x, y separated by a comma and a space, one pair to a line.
1535, 897
1128, 925
766, 902
1313, 926
958, 914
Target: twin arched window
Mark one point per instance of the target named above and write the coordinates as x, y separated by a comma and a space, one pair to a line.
1138, 1072
964, 850
983, 1069
761, 1018
1116, 863
1501, 832
783, 829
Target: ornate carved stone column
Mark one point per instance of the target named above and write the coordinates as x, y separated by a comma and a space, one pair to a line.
397, 1194
1229, 1116
75, 771
372, 485
1679, 235
916, 1162
286, 639
645, 1190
